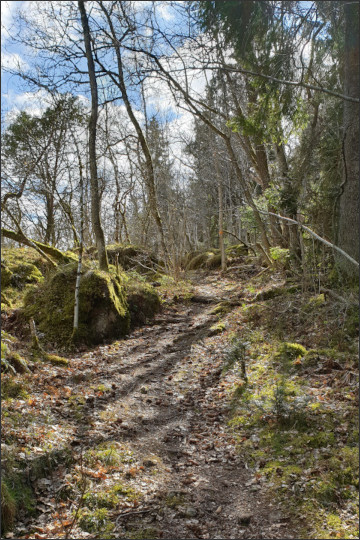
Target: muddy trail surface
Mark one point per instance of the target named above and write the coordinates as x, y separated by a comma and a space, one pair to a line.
151, 453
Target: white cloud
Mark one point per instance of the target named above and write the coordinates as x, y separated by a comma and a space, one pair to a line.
13, 61
34, 103
163, 9
8, 10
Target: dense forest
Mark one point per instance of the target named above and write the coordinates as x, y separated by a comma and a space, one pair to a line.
179, 269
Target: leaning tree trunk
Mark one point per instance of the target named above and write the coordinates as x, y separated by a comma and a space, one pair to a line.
348, 230
94, 187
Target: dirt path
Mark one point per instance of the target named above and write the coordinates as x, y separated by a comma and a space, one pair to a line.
161, 408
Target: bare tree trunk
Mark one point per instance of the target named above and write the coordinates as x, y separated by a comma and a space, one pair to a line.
348, 232
79, 268
95, 199
221, 216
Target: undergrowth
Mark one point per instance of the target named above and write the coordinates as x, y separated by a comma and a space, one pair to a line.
295, 417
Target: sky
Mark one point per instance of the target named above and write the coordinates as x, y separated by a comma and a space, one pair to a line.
16, 97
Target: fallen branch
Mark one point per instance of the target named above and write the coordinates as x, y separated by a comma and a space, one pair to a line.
312, 233
338, 297
242, 241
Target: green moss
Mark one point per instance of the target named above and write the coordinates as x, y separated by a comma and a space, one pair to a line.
280, 255
11, 361
16, 496
292, 350
4, 349
148, 533
8, 508
352, 321
287, 354
130, 256
173, 500
56, 360
221, 309
125, 491
207, 259
103, 310
217, 329
213, 262
25, 273
109, 454
18, 269
6, 276
101, 499
143, 301
344, 466
12, 388
314, 302
17, 362
95, 521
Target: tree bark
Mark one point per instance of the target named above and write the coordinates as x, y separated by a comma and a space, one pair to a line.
94, 184
221, 213
348, 230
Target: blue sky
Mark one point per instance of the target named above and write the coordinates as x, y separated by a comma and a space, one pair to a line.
16, 94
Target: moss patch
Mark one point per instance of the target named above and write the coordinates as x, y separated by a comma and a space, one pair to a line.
12, 387
95, 521
143, 301
297, 429
16, 496
8, 508
217, 329
103, 310
207, 259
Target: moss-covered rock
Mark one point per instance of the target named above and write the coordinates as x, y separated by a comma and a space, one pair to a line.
207, 259
25, 273
25, 264
143, 301
132, 257
6, 276
103, 312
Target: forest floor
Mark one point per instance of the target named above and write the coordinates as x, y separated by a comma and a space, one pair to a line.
163, 434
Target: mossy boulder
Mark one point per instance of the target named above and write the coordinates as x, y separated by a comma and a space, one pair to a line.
25, 273
143, 301
6, 276
103, 312
132, 257
20, 267
207, 259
